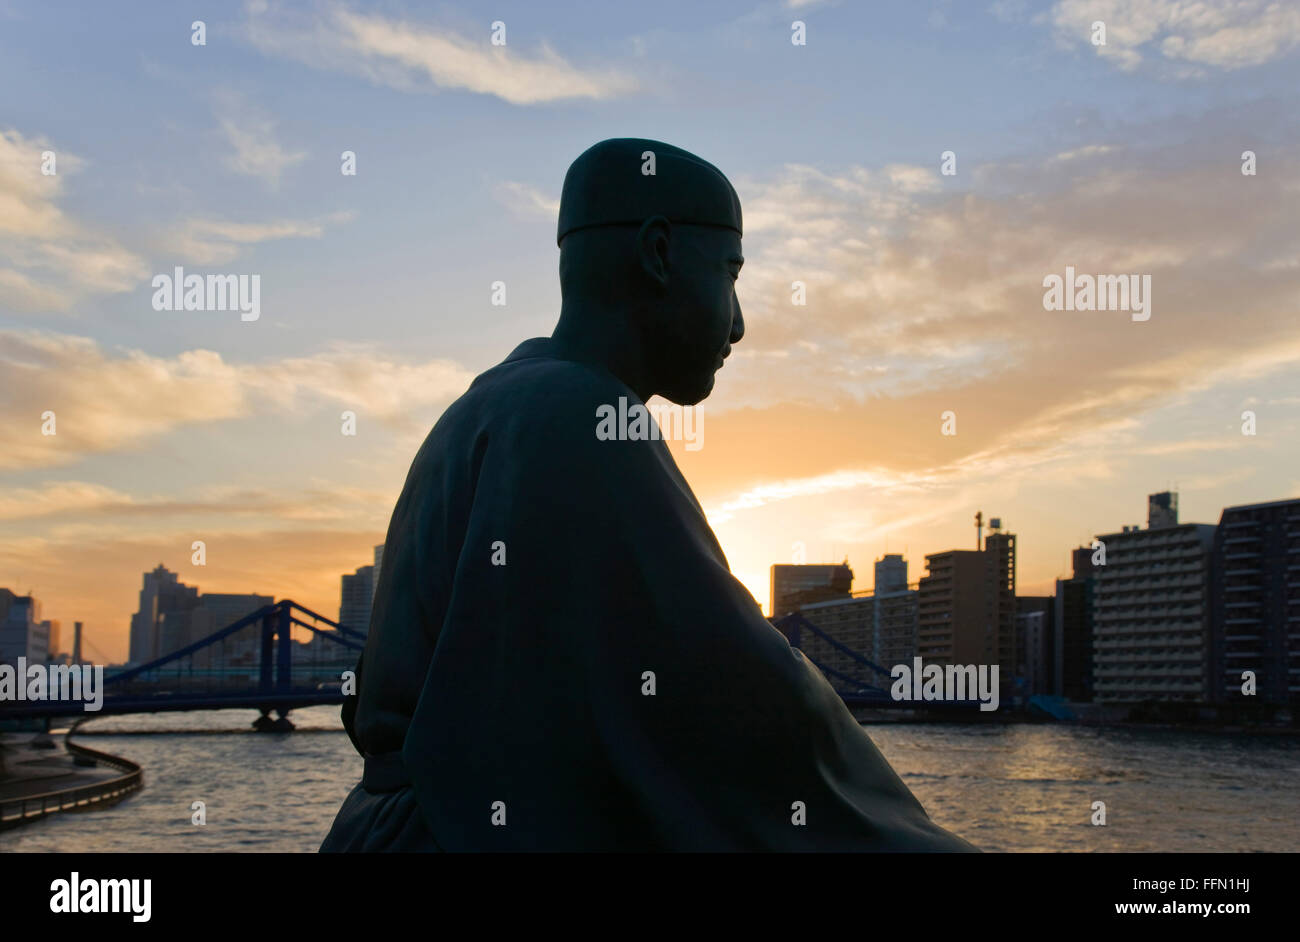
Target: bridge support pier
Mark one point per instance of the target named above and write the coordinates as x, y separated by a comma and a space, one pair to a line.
281, 724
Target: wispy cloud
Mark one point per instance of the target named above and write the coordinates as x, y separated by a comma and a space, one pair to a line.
527, 200
250, 133
48, 259
789, 489
216, 241
412, 56
318, 501
113, 400
913, 288
1215, 34
1083, 153
55, 497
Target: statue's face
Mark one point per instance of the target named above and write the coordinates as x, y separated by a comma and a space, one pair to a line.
701, 313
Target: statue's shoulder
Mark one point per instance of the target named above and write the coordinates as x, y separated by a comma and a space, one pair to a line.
549, 377
535, 400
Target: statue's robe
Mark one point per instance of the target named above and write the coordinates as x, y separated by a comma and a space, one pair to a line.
509, 707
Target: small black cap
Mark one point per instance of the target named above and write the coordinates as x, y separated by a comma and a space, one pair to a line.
610, 183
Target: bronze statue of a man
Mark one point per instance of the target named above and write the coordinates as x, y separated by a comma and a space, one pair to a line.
559, 657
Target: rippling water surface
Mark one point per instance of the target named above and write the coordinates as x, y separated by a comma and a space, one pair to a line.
1004, 788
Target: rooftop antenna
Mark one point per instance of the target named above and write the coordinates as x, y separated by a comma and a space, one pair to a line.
979, 530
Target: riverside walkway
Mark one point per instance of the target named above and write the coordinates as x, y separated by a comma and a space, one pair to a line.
38, 779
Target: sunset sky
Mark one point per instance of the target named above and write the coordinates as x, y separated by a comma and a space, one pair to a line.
924, 291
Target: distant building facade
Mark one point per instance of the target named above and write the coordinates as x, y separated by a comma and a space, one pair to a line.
173, 615
894, 613
848, 622
217, 610
1151, 628
879, 626
966, 607
1255, 603
1036, 643
379, 565
356, 597
793, 586
54, 636
22, 632
161, 594
1073, 666
891, 573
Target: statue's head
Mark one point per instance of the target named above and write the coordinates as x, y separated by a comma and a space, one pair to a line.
649, 236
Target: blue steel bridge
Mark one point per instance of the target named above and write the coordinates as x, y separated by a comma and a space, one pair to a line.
858, 680
254, 663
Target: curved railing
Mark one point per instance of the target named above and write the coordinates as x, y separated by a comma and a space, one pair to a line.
16, 811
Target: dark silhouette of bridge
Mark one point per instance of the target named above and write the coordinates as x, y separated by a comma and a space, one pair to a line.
867, 683
228, 669
253, 662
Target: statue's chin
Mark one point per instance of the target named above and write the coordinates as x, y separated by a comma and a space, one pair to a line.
689, 395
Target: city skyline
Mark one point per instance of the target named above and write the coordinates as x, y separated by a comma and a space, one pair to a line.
924, 290
369, 573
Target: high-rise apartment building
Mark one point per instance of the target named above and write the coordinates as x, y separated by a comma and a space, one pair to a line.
1255, 604
966, 607
894, 613
379, 562
1151, 629
22, 632
355, 599
1036, 643
796, 585
1073, 625
162, 593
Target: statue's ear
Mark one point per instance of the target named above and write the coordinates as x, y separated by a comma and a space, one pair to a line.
652, 249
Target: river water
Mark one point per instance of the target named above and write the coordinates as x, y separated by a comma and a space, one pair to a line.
1004, 788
